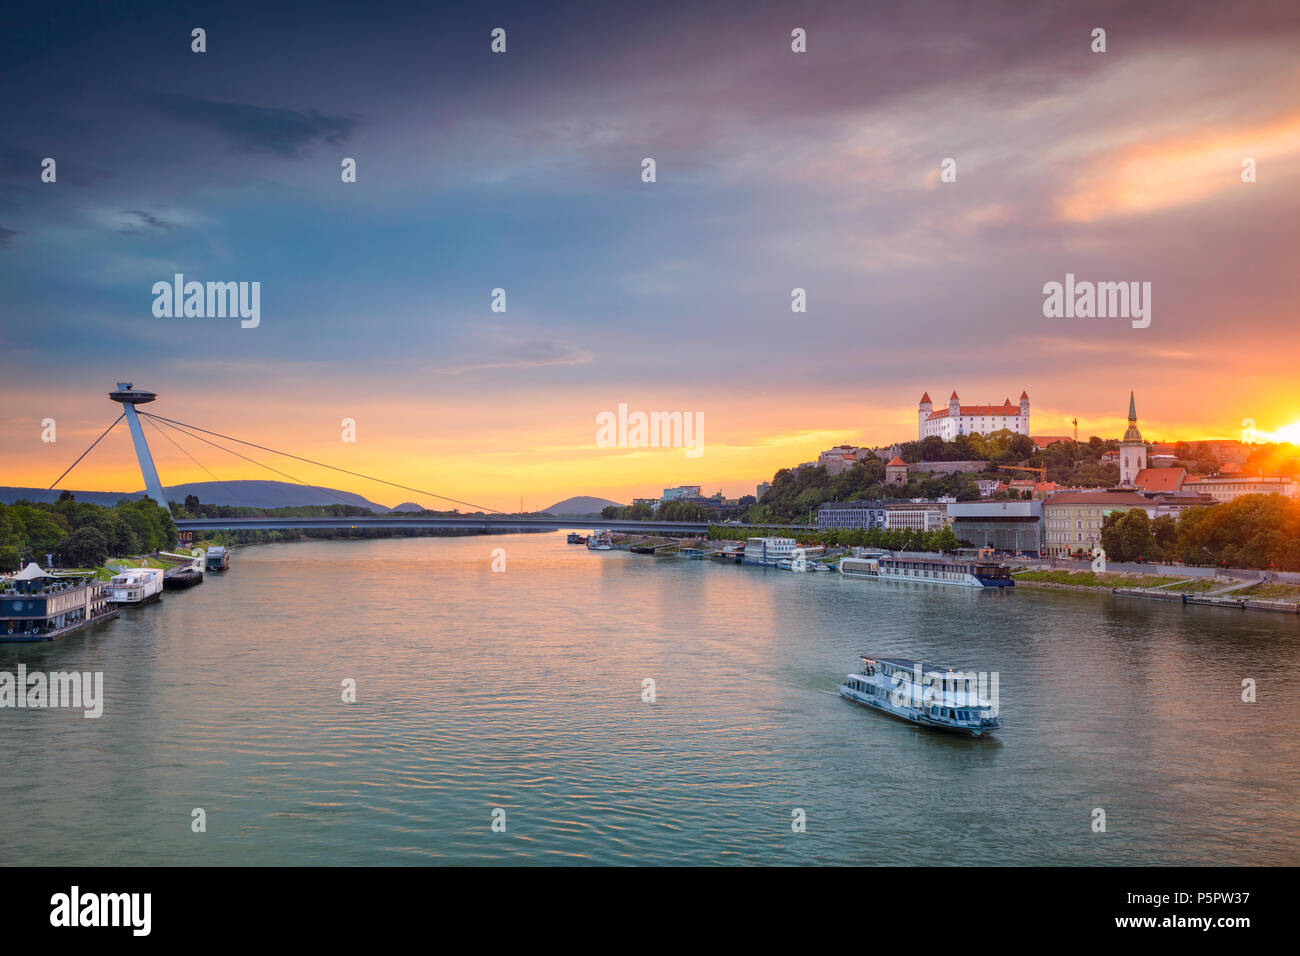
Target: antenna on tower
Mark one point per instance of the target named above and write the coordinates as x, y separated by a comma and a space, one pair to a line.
1076, 429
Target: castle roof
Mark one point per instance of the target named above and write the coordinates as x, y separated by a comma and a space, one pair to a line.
1006, 408
925, 398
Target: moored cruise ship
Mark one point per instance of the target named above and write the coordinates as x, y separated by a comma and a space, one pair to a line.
925, 694
600, 541
36, 606
970, 574
135, 586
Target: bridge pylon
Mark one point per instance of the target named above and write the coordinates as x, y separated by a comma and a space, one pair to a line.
130, 397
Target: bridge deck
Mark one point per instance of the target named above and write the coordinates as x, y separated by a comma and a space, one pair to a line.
468, 522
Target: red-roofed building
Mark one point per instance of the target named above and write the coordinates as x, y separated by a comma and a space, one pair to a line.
837, 459
958, 419
1160, 480
1042, 441
896, 471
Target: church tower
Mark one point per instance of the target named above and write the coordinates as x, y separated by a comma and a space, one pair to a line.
1132, 449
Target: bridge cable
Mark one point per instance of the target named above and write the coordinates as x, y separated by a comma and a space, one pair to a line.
322, 464
87, 451
158, 428
327, 491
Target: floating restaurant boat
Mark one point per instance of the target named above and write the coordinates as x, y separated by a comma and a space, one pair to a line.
733, 555
36, 606
600, 541
923, 694
971, 574
217, 558
575, 538
135, 586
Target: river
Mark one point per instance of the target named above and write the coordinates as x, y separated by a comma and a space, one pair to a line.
518, 696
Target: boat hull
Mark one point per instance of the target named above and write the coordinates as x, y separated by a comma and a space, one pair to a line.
149, 599
178, 582
913, 715
45, 638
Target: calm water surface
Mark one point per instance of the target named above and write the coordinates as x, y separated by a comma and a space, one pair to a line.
522, 690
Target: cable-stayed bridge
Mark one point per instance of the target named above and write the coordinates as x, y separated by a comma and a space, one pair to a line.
485, 520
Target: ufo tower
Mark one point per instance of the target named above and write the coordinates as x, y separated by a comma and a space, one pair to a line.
130, 397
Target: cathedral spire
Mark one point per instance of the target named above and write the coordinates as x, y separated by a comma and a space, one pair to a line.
1132, 410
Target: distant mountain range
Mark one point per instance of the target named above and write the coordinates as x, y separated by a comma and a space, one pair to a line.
237, 494
581, 505
271, 494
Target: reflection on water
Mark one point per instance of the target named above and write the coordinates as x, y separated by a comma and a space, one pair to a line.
522, 691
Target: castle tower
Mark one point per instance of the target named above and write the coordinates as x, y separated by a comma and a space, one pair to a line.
923, 414
954, 405
1132, 449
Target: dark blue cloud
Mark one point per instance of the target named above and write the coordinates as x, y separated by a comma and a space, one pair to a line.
258, 129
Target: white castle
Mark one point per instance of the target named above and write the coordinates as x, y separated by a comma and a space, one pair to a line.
958, 419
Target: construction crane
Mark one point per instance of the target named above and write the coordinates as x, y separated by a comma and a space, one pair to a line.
1041, 471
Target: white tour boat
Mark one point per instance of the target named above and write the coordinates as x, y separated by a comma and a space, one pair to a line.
924, 694
600, 541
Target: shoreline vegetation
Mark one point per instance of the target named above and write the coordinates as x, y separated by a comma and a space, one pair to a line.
87, 536
1219, 591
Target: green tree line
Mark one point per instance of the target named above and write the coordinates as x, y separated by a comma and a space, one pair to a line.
897, 539
81, 534
1253, 531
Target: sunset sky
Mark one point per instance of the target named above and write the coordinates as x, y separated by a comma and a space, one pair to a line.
522, 170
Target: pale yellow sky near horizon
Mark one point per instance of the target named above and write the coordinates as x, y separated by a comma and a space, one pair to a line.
491, 458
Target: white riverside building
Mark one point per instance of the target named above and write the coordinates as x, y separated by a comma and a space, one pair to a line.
958, 419
888, 515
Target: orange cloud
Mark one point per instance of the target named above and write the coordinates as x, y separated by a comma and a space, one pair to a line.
1175, 172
